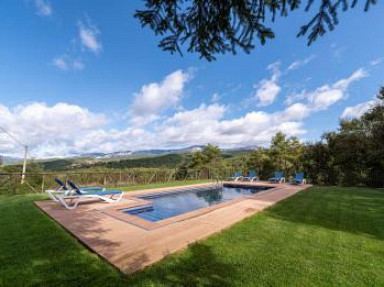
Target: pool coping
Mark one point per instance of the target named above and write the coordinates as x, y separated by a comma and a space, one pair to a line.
130, 248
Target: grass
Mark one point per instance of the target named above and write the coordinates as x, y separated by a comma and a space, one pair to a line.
319, 237
164, 184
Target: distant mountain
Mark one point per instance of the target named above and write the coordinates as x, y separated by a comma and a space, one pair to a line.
130, 154
168, 151
243, 148
118, 154
124, 154
9, 159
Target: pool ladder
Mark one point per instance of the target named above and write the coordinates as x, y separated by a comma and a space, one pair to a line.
219, 182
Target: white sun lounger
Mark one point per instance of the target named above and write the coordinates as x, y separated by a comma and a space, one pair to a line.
71, 198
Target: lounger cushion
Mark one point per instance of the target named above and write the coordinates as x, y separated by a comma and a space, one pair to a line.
62, 184
106, 192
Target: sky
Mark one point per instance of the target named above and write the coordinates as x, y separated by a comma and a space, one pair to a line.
84, 76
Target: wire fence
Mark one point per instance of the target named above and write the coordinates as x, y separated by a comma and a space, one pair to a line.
10, 183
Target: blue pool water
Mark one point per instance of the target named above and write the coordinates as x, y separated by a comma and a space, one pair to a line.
171, 204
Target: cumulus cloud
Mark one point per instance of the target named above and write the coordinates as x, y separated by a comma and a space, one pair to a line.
267, 90
325, 96
357, 110
47, 128
64, 129
44, 8
300, 63
66, 63
89, 36
157, 97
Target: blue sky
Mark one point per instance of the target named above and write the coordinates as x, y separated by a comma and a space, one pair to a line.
83, 76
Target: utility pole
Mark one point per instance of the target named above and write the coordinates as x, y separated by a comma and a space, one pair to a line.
24, 164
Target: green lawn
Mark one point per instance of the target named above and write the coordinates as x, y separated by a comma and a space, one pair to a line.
320, 237
165, 184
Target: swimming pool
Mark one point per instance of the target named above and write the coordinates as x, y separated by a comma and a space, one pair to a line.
166, 205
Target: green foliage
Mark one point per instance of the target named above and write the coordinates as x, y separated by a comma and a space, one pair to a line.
209, 160
58, 164
181, 172
168, 161
357, 147
210, 154
286, 153
216, 27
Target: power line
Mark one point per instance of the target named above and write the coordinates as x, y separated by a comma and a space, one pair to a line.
25, 153
12, 137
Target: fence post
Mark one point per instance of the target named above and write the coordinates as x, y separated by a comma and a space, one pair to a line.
42, 184
14, 179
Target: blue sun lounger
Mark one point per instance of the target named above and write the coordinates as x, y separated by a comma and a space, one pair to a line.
236, 176
278, 178
71, 200
251, 176
61, 190
63, 186
299, 178
64, 190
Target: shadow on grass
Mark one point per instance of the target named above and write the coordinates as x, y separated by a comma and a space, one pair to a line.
34, 251
354, 210
198, 266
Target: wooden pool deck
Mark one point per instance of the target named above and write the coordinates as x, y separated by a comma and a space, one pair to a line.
130, 243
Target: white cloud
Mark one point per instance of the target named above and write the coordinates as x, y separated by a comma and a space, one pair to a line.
337, 51
78, 65
325, 96
60, 63
300, 63
66, 63
357, 110
156, 97
47, 128
376, 62
206, 124
267, 90
215, 98
89, 36
66, 129
44, 8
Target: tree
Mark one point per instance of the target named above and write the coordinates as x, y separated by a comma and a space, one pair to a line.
199, 159
209, 159
319, 164
256, 160
278, 150
352, 155
286, 152
210, 27
212, 152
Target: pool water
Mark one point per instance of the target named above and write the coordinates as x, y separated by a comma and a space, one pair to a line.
166, 205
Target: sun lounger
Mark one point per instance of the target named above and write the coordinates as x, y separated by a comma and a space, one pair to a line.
299, 178
251, 176
278, 178
236, 176
71, 200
